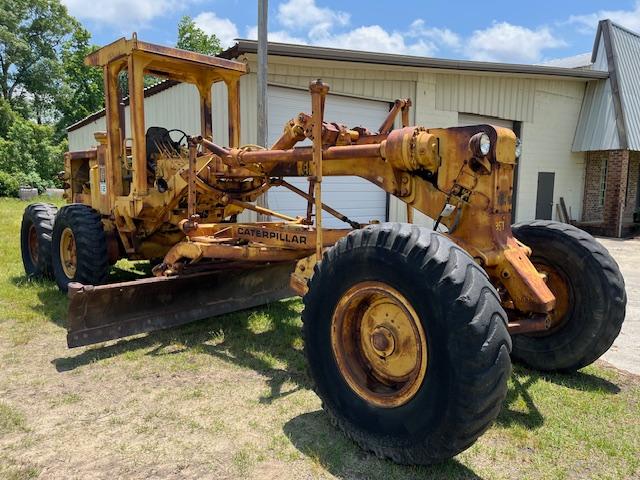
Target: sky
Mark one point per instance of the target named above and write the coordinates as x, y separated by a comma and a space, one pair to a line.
502, 31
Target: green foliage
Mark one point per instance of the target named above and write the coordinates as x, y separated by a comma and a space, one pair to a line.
31, 32
44, 86
82, 89
9, 185
192, 38
29, 153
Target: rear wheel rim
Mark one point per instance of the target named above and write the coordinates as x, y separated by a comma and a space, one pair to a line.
68, 253
379, 344
34, 248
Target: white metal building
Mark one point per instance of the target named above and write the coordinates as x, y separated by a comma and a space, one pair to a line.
541, 103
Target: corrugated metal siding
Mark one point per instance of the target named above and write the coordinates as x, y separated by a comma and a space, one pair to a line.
176, 107
82, 138
596, 128
496, 96
470, 119
626, 47
364, 83
220, 123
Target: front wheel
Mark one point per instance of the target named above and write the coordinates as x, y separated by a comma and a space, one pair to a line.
79, 247
406, 343
590, 297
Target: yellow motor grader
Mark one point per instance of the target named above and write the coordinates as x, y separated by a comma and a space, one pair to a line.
409, 332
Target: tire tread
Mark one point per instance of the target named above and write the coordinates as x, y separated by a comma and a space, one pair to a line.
480, 386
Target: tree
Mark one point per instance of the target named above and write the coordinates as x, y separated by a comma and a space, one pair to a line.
31, 32
82, 90
192, 38
29, 153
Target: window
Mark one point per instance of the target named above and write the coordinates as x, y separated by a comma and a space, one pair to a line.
603, 180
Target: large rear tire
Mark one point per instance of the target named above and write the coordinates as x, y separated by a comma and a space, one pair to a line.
590, 297
79, 247
35, 239
406, 343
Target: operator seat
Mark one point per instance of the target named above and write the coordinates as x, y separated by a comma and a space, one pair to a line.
158, 141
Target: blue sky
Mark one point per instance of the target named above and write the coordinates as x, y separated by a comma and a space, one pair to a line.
508, 31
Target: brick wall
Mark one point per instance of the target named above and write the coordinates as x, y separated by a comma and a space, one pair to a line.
632, 189
592, 209
615, 196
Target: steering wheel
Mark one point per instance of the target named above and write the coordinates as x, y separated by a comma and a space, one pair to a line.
184, 136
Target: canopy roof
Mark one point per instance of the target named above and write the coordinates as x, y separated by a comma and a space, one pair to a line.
171, 63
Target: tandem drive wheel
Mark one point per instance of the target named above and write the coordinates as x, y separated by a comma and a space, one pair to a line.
406, 342
590, 297
35, 239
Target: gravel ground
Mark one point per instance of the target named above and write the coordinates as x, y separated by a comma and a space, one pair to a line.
625, 352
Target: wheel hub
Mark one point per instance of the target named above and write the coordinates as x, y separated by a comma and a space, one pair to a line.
68, 255
379, 344
383, 341
559, 286
34, 249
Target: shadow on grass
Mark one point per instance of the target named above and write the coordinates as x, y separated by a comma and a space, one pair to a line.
523, 379
531, 418
314, 436
231, 338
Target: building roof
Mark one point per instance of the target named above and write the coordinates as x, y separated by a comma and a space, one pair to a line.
610, 115
582, 60
322, 53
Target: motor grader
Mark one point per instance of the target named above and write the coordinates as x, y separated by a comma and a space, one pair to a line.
409, 332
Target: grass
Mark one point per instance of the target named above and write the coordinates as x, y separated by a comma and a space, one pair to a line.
229, 398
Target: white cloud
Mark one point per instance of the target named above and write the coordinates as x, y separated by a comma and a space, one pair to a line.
281, 36
503, 42
124, 13
443, 36
303, 21
627, 18
223, 28
306, 15
374, 38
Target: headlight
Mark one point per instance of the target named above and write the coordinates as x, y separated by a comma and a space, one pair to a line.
480, 144
518, 147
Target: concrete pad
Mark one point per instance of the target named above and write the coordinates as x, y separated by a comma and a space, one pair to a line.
625, 351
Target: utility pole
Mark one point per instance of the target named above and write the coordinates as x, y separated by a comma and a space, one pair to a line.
262, 72
262, 87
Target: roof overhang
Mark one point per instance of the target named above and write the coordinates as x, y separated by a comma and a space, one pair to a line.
322, 53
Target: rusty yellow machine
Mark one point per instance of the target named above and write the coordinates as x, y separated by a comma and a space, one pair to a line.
408, 332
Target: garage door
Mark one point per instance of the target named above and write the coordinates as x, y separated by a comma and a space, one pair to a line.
356, 198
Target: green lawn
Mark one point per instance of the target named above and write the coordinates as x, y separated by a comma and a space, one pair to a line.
229, 398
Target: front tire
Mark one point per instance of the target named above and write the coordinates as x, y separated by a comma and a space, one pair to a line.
79, 247
590, 297
35, 239
437, 375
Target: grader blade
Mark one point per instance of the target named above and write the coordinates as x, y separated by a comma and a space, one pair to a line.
106, 312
